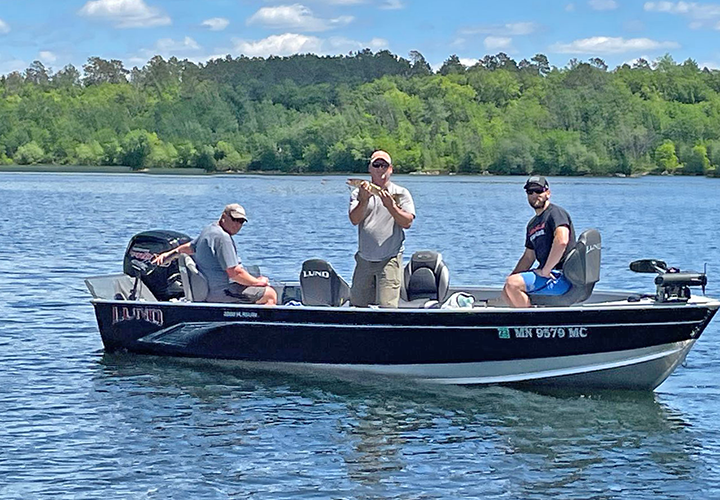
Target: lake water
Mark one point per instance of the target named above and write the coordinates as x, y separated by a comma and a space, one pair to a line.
76, 423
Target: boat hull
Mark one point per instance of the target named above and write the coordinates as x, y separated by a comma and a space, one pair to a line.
634, 346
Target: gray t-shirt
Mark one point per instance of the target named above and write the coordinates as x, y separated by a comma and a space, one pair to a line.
379, 236
214, 252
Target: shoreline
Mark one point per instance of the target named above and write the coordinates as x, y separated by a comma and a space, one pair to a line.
94, 169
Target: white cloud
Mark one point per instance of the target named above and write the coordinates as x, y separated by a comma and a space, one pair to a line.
125, 13
468, 61
187, 48
279, 45
611, 45
603, 4
216, 23
392, 5
170, 45
4, 27
709, 65
701, 15
570, 7
47, 57
498, 43
683, 8
635, 60
293, 43
295, 17
510, 29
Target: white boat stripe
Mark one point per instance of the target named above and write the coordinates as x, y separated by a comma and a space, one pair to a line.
248, 321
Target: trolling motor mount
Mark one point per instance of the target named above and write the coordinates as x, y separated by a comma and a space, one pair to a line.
673, 285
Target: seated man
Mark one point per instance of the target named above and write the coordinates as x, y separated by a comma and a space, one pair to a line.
550, 236
216, 258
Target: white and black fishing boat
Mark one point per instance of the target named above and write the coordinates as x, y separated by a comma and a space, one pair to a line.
440, 333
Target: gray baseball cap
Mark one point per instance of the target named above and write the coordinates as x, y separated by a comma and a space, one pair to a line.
537, 180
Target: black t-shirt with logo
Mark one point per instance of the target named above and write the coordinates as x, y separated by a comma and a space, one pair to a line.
541, 232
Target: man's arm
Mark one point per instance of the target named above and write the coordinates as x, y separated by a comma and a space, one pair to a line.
403, 218
525, 262
238, 274
170, 255
561, 238
358, 212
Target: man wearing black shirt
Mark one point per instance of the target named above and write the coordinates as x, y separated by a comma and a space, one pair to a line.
550, 236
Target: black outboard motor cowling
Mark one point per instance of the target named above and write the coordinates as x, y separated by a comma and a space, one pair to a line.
164, 282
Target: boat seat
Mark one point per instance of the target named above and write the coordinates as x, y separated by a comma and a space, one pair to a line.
320, 285
581, 268
425, 278
195, 285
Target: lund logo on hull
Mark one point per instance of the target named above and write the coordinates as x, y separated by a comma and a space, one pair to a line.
148, 314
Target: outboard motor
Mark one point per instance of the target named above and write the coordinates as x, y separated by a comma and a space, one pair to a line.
321, 285
164, 282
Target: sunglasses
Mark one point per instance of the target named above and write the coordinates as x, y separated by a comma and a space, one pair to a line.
238, 221
535, 190
380, 164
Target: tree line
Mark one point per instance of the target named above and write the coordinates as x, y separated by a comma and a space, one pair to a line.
309, 113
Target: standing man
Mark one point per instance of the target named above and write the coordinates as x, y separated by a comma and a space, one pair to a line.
217, 259
381, 219
550, 236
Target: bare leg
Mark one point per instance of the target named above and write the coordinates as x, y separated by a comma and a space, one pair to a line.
269, 297
514, 292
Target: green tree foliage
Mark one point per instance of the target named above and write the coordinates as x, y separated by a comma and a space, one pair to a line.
99, 71
665, 157
696, 162
309, 113
136, 148
89, 153
29, 154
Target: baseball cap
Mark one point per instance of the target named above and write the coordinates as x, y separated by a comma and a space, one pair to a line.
380, 155
537, 180
236, 211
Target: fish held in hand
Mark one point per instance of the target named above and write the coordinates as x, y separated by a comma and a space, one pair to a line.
373, 188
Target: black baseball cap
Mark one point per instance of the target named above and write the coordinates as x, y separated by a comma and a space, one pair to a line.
537, 180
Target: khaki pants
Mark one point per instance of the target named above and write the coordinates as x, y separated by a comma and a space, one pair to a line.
376, 282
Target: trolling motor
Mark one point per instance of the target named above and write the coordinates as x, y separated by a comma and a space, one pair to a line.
673, 285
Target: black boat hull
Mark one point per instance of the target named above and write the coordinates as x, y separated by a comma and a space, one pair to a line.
629, 346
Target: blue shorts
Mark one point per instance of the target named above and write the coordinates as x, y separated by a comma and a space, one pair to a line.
538, 285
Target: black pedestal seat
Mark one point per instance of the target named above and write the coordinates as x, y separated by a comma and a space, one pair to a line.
426, 280
581, 268
321, 285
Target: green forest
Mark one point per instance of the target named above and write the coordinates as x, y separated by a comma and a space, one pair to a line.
314, 114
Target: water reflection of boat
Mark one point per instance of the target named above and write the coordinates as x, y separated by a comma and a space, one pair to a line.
609, 340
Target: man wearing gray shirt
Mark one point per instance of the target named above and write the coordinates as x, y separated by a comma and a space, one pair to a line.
217, 259
381, 219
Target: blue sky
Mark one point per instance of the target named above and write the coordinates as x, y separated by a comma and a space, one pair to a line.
64, 32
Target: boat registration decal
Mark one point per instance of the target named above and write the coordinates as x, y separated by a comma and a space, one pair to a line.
240, 314
544, 332
148, 314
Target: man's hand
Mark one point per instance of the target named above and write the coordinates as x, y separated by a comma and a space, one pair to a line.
387, 199
263, 281
161, 259
543, 273
364, 192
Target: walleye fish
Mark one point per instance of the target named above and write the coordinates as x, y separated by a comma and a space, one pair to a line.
373, 188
